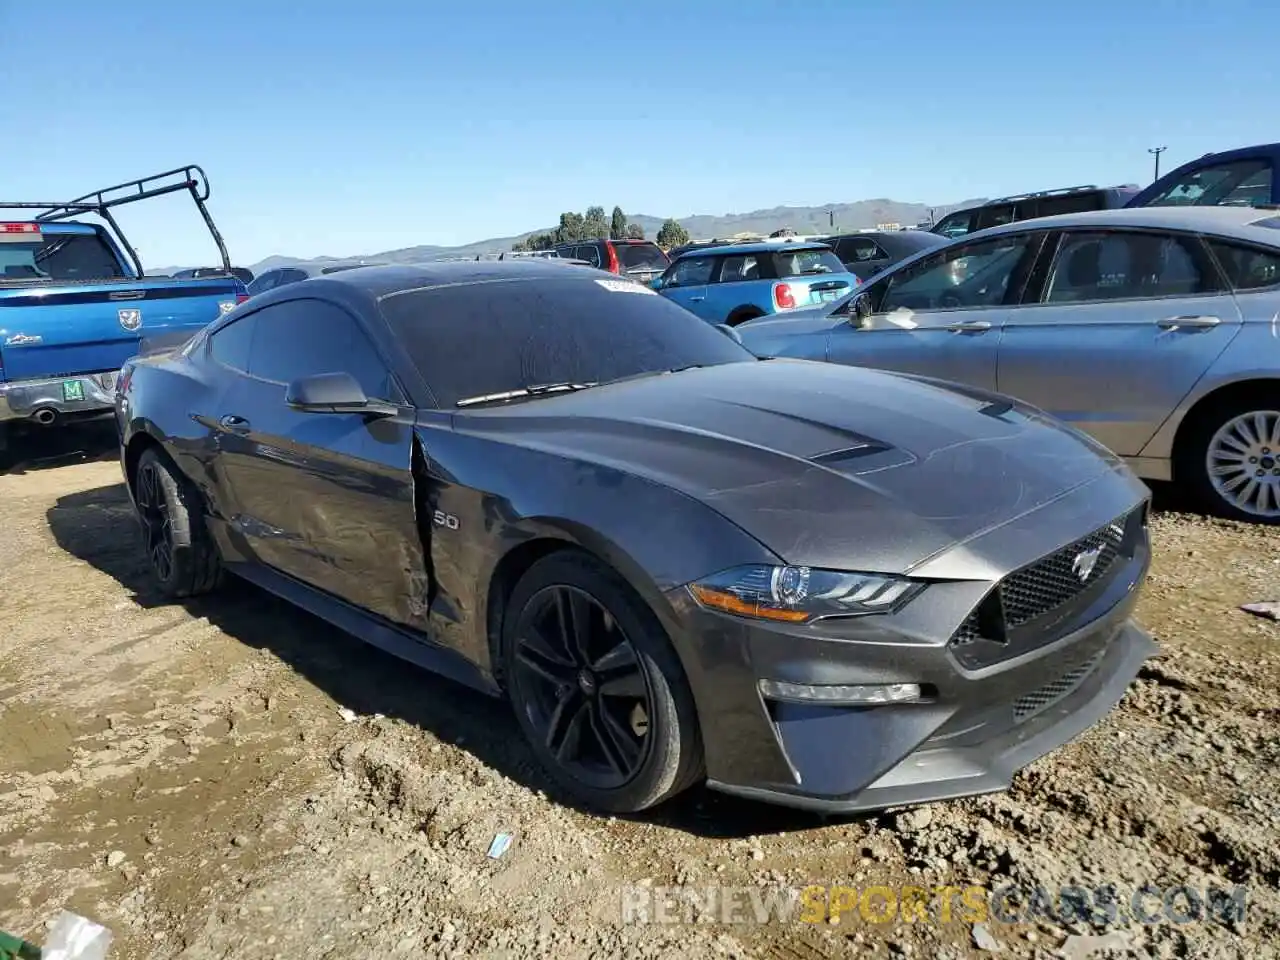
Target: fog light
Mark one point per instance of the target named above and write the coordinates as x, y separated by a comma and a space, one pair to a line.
843, 694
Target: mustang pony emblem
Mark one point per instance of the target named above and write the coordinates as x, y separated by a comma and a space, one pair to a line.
130, 318
1084, 563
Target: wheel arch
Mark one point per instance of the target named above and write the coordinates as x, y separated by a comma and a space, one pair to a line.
1220, 397
551, 535
743, 313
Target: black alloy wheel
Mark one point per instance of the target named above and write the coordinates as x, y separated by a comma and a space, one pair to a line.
183, 559
157, 527
597, 687
588, 696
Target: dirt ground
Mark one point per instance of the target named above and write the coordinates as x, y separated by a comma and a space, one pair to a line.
232, 778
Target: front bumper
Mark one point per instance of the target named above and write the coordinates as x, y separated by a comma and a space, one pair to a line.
981, 723
83, 396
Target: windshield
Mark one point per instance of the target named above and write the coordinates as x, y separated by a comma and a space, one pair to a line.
806, 263
59, 256
477, 339
640, 256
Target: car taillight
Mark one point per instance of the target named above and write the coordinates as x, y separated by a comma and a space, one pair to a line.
241, 298
783, 297
614, 266
122, 386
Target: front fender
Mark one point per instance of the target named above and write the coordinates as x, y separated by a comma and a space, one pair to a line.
499, 497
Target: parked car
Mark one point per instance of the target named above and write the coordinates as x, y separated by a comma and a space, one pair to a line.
866, 252
1235, 178
1152, 329
75, 301
296, 273
243, 274
741, 282
1028, 206
639, 260
678, 562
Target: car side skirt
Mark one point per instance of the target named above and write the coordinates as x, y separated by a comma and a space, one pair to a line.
386, 636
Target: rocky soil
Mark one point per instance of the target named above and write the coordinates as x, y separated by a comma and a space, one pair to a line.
231, 778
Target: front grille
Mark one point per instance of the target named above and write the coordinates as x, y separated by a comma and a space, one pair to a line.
1030, 704
1048, 584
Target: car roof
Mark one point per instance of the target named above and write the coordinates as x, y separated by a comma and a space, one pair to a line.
761, 246
383, 280
1234, 222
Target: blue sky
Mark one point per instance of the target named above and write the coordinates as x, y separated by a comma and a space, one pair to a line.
356, 127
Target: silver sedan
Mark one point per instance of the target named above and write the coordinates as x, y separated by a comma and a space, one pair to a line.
1155, 330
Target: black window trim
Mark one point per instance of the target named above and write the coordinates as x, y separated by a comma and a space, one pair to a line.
1202, 256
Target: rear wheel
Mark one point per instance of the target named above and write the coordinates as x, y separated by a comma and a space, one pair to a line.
597, 687
180, 554
1231, 460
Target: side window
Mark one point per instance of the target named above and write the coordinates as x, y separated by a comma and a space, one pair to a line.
300, 338
230, 345
291, 275
590, 253
994, 216
1114, 266
860, 250
955, 225
1247, 268
691, 272
263, 283
968, 275
1240, 184
1072, 203
739, 268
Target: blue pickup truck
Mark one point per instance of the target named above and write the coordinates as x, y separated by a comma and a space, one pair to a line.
75, 303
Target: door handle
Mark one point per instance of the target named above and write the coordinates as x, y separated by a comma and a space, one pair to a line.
1187, 323
696, 299
971, 326
234, 423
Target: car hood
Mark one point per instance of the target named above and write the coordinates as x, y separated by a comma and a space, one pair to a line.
826, 465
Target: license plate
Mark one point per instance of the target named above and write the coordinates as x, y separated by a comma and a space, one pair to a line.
72, 390
826, 295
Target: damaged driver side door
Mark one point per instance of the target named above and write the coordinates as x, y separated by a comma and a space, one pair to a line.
326, 498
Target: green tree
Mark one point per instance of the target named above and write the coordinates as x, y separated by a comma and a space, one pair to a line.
618, 225
594, 224
634, 231
672, 234
570, 229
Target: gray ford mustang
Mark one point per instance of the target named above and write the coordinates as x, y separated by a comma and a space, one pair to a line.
818, 585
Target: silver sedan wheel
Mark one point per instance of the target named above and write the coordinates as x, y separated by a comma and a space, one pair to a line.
1243, 461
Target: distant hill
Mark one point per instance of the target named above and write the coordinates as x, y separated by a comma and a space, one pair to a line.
847, 216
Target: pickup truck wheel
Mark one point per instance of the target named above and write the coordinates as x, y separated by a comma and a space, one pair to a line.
1231, 460
180, 553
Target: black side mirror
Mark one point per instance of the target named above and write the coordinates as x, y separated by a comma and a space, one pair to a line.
729, 332
861, 312
335, 393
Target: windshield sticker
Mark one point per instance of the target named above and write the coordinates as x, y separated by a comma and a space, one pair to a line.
624, 286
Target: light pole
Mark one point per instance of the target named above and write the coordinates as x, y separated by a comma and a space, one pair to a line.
1155, 152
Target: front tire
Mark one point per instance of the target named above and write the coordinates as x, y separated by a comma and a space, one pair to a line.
1231, 461
181, 556
597, 687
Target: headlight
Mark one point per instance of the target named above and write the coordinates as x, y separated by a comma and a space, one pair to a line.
800, 594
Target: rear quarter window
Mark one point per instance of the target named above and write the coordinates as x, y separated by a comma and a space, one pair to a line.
1247, 268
